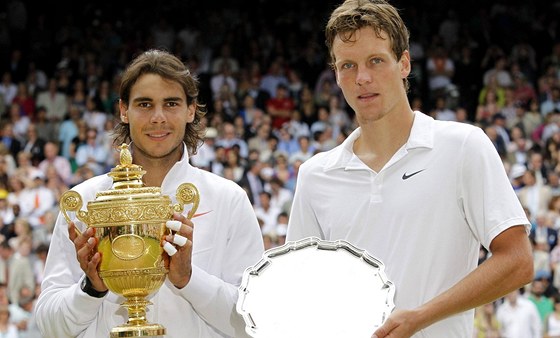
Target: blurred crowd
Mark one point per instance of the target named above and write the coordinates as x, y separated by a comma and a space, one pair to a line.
272, 102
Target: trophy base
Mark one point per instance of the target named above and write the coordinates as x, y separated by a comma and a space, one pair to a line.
144, 330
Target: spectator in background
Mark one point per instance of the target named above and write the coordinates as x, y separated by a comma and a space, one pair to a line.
488, 106
36, 200
54, 101
21, 269
34, 145
280, 197
105, 97
534, 196
6, 255
536, 163
93, 115
55, 183
267, 213
523, 90
23, 316
225, 59
259, 141
544, 304
7, 328
544, 232
280, 106
68, 131
486, 324
497, 140
287, 143
15, 187
8, 88
499, 124
46, 129
206, 152
252, 182
516, 176
500, 72
19, 122
25, 101
518, 148
234, 164
229, 140
519, 317
552, 103
10, 141
531, 118
61, 163
552, 322
223, 77
249, 111
274, 77
92, 153
306, 150
338, 117
440, 68
442, 112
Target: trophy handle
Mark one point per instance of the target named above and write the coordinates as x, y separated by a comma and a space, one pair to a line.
72, 201
187, 193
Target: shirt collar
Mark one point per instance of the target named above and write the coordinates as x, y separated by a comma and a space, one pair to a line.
421, 135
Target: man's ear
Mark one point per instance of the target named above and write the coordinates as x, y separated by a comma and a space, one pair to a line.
123, 111
405, 64
191, 110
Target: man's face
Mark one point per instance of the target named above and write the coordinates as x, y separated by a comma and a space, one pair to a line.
157, 114
369, 75
537, 288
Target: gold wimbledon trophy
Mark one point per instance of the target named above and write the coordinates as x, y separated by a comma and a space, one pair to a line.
129, 221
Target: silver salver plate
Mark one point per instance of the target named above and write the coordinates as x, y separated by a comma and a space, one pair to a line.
315, 288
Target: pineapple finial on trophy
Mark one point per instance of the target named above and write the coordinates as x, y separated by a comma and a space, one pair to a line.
125, 155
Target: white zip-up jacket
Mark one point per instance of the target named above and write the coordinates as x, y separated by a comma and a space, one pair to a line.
227, 239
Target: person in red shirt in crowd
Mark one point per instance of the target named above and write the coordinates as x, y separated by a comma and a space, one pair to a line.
280, 107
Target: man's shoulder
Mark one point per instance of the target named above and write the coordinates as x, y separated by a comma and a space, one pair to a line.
449, 130
323, 159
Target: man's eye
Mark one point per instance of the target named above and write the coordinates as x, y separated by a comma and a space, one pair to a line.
347, 66
376, 61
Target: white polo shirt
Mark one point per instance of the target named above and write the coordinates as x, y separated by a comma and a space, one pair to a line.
424, 214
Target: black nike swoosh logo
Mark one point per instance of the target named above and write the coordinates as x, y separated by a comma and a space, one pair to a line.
406, 177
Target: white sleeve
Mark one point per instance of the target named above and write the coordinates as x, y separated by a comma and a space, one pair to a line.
214, 298
302, 221
489, 201
63, 309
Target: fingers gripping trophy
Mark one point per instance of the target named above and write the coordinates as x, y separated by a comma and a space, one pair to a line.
130, 222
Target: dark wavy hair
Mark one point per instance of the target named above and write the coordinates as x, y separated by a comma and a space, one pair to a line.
353, 15
169, 67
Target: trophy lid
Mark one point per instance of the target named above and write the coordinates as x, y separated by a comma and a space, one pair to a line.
128, 201
127, 180
126, 174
